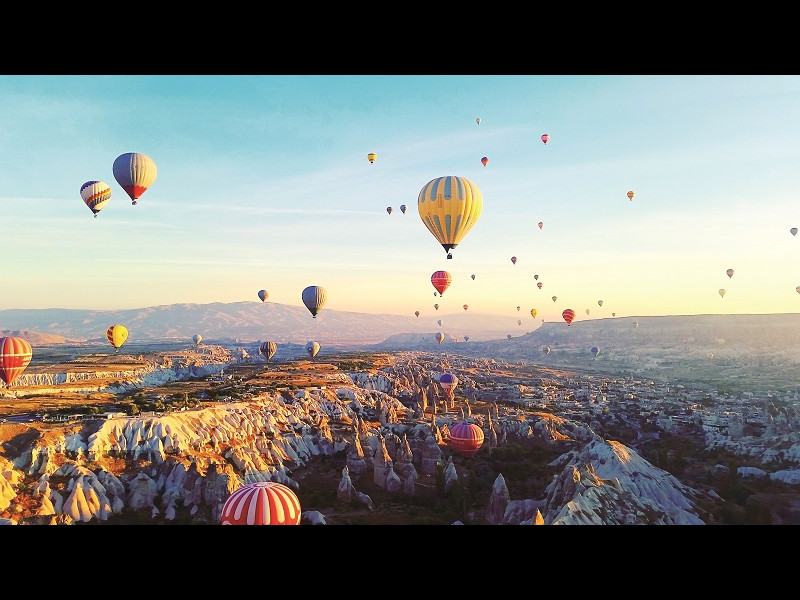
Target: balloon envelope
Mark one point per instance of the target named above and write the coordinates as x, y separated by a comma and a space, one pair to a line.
595, 350
534, 312
729, 272
541, 224
793, 231
96, 195
261, 503
545, 138
436, 306
312, 348
478, 120
449, 207
514, 259
263, 295
448, 381
416, 312
465, 307
441, 280
722, 292
268, 349
465, 438
372, 156
15, 356
389, 209
547, 350
473, 276
439, 337
485, 161
197, 339
135, 173
116, 335
403, 208
314, 297
631, 195
568, 315
554, 298
539, 285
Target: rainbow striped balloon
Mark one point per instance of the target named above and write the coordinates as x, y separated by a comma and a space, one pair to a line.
261, 503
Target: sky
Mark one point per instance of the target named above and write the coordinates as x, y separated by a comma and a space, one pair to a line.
264, 183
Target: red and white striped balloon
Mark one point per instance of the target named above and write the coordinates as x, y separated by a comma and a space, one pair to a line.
261, 503
15, 356
466, 438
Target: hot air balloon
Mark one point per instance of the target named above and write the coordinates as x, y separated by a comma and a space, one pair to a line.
595, 350
514, 259
547, 350
312, 348
631, 195
729, 272
465, 307
793, 231
518, 307
403, 208
613, 314
508, 336
135, 173
314, 297
436, 306
635, 324
466, 439
797, 289
448, 381
15, 356
371, 157
261, 503
473, 276
568, 315
263, 295
485, 160
545, 138
116, 335
197, 339
541, 224
466, 338
416, 312
478, 120
534, 312
439, 337
539, 285
554, 298
587, 311
389, 209
441, 280
96, 195
268, 349
439, 322
519, 321
722, 292
449, 207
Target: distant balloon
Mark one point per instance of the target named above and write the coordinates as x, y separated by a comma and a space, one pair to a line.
439, 337
518, 308
508, 336
595, 350
568, 315
478, 120
135, 173
536, 277
722, 292
466, 338
439, 322
268, 349
541, 224
436, 306
519, 321
613, 314
793, 231
539, 285
15, 356
465, 307
534, 312
416, 312
798, 289
116, 336
371, 157
473, 276
599, 303
547, 350
441, 280
554, 298
466, 439
449, 207
263, 295
197, 339
729, 272
389, 209
514, 259
545, 138
312, 348
96, 194
635, 324
314, 297
587, 311
448, 381
631, 195
261, 503
403, 208
485, 161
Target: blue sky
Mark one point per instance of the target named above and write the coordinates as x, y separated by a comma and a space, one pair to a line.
264, 183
